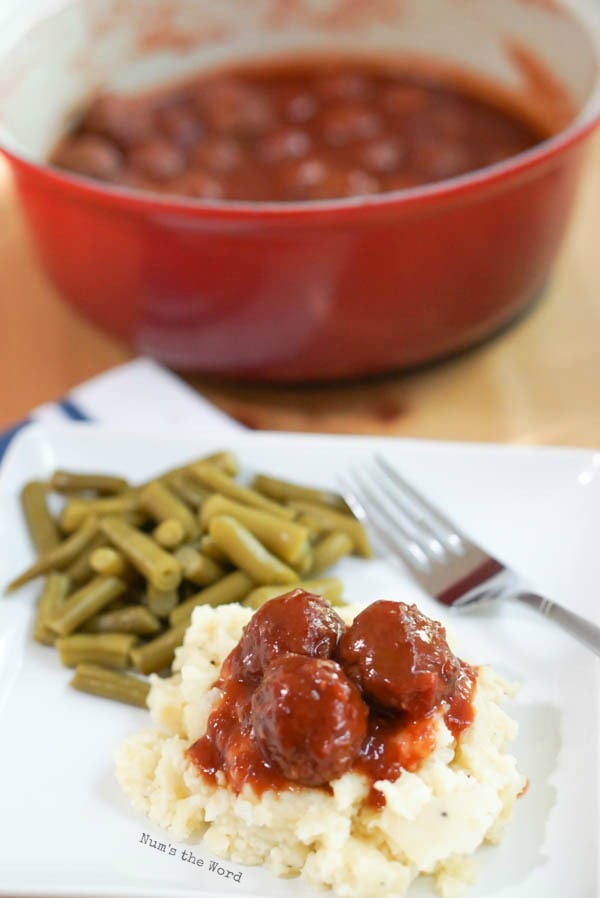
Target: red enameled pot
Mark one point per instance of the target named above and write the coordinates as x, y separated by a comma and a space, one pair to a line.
304, 291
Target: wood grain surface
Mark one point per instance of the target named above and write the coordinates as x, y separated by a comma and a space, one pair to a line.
538, 382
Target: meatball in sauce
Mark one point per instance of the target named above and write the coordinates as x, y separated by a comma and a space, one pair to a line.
305, 699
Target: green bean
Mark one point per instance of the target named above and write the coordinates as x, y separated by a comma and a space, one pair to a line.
158, 654
59, 557
76, 510
106, 560
80, 570
286, 539
159, 567
305, 563
43, 529
232, 588
330, 550
329, 588
225, 460
248, 554
198, 568
85, 603
284, 491
107, 649
72, 482
187, 489
56, 589
169, 534
161, 601
120, 687
162, 505
218, 482
317, 516
209, 548
135, 619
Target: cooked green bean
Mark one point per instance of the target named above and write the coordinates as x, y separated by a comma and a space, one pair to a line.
209, 548
119, 687
77, 509
80, 570
43, 529
317, 516
225, 460
232, 588
248, 554
85, 603
73, 482
197, 567
329, 550
286, 539
107, 560
59, 557
329, 587
218, 482
162, 505
169, 534
284, 491
187, 489
135, 619
161, 601
158, 654
159, 567
107, 649
305, 563
56, 589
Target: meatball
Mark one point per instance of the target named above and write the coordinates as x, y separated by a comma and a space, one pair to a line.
399, 658
92, 156
308, 719
233, 107
298, 622
157, 159
124, 120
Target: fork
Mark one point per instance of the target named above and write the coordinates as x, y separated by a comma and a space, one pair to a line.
447, 563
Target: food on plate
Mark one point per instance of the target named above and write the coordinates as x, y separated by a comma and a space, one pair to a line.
106, 683
125, 565
350, 746
295, 130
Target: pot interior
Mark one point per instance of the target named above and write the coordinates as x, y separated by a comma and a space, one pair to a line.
539, 56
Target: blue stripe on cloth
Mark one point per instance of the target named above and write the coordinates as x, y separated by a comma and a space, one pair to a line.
72, 410
7, 435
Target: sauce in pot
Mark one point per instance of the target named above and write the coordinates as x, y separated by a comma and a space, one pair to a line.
292, 131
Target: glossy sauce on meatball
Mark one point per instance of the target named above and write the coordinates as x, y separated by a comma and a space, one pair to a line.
305, 700
298, 622
399, 658
309, 719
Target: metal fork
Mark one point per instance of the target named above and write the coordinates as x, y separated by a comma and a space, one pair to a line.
447, 563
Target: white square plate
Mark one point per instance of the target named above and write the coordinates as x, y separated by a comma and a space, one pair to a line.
65, 829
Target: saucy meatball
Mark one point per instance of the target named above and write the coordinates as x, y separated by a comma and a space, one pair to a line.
298, 622
91, 155
124, 120
399, 658
308, 719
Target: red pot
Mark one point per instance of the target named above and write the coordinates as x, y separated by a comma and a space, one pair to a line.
306, 291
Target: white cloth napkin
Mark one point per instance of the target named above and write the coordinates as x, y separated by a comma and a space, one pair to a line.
137, 395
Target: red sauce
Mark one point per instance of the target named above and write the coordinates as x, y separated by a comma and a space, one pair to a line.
343, 730
292, 131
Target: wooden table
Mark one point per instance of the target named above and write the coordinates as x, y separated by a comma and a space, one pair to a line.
539, 382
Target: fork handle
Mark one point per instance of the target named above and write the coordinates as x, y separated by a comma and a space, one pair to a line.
583, 630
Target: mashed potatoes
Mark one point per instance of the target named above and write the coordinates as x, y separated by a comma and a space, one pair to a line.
432, 821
